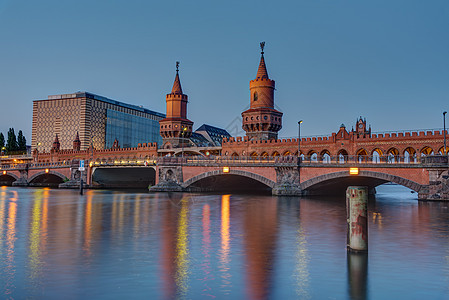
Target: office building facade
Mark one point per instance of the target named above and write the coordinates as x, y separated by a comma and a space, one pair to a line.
96, 120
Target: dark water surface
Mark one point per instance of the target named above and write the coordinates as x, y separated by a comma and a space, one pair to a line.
56, 244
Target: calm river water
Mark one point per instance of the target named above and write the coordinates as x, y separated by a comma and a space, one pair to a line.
56, 244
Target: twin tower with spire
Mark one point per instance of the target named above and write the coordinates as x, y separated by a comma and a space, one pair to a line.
260, 122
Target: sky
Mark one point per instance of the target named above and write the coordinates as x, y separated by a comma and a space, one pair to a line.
333, 61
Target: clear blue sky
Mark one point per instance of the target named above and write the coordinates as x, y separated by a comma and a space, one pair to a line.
332, 60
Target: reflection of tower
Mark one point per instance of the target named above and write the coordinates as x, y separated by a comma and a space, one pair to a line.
175, 129
175, 251
260, 243
261, 121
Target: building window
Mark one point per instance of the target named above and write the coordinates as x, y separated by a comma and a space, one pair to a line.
255, 96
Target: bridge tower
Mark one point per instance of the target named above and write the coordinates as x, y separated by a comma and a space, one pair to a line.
261, 121
56, 145
360, 128
176, 129
77, 143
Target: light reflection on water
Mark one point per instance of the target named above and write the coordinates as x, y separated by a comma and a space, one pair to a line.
109, 244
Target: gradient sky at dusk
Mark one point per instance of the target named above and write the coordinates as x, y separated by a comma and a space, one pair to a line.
332, 61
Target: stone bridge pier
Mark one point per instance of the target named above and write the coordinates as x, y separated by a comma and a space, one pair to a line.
75, 177
281, 180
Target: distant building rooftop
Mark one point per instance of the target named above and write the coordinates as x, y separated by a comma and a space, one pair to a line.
213, 135
103, 99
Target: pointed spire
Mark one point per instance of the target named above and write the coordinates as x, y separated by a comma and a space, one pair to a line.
262, 71
56, 144
77, 143
177, 84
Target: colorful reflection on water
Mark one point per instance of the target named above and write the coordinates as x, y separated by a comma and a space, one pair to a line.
109, 244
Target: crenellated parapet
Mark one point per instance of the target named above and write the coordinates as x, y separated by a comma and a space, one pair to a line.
143, 150
410, 143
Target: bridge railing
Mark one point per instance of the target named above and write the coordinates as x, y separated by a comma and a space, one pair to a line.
21, 166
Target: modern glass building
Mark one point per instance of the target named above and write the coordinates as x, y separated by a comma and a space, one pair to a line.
98, 120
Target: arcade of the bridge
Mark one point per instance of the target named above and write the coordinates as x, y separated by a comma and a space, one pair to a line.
377, 154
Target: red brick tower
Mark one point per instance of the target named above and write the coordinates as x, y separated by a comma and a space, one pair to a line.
56, 144
261, 121
176, 129
360, 128
77, 143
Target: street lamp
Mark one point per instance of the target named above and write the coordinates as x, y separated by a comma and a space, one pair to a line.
299, 151
444, 132
182, 142
299, 140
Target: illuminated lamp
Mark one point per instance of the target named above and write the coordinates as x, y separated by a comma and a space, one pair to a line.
354, 171
4, 172
47, 170
225, 169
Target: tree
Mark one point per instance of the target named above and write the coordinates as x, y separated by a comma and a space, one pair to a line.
2, 141
11, 145
21, 141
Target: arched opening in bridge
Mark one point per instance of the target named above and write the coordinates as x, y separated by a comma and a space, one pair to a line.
410, 155
441, 151
275, 153
47, 180
124, 177
325, 156
362, 155
6, 179
426, 151
342, 156
313, 156
235, 154
230, 183
337, 183
264, 154
377, 154
286, 153
393, 155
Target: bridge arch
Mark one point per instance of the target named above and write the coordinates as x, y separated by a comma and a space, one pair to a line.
340, 180
50, 178
8, 178
190, 183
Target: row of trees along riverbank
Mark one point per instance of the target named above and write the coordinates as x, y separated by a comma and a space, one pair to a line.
13, 144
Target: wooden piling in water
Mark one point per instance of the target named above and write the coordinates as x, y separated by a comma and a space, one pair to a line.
357, 213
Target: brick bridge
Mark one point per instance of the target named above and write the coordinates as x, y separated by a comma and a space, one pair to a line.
280, 175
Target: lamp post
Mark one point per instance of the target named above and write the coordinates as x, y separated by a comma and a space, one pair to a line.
299, 141
299, 152
444, 132
184, 129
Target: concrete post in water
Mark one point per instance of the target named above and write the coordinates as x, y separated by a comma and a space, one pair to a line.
357, 211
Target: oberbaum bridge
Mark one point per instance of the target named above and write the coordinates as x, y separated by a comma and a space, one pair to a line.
258, 161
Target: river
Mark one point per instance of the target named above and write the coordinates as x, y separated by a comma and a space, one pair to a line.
56, 244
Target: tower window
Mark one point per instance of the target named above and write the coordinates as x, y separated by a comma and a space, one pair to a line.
255, 96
